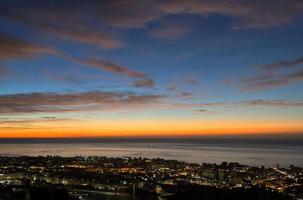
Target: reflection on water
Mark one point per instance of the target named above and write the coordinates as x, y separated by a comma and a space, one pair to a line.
251, 153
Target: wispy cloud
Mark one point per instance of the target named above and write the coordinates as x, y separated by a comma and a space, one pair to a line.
185, 79
172, 87
15, 48
185, 95
212, 107
91, 37
73, 102
7, 121
282, 64
141, 79
145, 82
96, 21
201, 111
31, 123
58, 19
12, 47
110, 67
266, 84
244, 103
98, 101
279, 103
245, 14
273, 75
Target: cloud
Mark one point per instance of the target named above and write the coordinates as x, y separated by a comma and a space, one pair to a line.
245, 103
12, 47
110, 67
90, 37
15, 48
201, 111
97, 22
147, 82
48, 117
129, 13
73, 102
30, 123
263, 76
176, 86
185, 95
298, 75
97, 101
273, 76
279, 103
142, 79
245, 14
29, 120
267, 84
282, 64
172, 87
94, 22
200, 105
65, 20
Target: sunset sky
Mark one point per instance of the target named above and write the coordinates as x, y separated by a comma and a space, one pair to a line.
150, 68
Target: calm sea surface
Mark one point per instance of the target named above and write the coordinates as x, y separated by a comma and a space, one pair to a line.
251, 151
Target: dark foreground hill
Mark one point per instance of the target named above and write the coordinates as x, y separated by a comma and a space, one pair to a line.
195, 192
179, 192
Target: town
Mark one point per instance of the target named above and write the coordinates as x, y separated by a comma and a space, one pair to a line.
128, 178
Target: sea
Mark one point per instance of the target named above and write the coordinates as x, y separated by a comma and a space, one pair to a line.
254, 151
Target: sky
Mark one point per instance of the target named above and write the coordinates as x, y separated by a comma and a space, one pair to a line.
150, 68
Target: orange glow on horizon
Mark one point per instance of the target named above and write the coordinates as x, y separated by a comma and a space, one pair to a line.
151, 128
